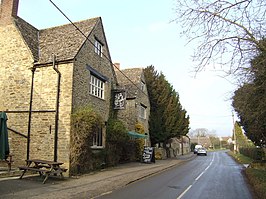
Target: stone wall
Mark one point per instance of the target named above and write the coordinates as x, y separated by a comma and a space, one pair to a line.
15, 75
15, 85
131, 114
81, 84
175, 146
143, 98
43, 124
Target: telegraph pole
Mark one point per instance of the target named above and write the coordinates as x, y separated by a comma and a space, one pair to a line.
234, 133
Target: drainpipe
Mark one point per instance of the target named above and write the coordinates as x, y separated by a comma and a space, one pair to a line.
30, 111
57, 108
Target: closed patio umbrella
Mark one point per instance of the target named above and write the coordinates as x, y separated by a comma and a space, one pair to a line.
4, 146
136, 135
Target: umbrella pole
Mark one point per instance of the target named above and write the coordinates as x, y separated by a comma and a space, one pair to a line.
30, 111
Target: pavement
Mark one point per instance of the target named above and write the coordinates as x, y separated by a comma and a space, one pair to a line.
85, 186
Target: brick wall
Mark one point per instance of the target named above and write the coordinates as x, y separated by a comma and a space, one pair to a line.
8, 8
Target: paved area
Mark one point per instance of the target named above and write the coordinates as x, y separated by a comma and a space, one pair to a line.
85, 186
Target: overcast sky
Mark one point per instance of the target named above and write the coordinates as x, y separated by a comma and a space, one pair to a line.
140, 33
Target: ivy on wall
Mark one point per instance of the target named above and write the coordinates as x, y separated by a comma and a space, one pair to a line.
139, 128
84, 121
120, 148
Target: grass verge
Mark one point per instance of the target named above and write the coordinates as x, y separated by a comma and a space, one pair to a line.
241, 159
255, 177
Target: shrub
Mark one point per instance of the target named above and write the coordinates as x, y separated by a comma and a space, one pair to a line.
119, 147
139, 128
84, 121
253, 153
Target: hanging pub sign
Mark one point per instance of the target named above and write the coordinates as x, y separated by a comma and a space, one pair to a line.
119, 99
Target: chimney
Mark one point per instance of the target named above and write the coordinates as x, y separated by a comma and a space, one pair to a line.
117, 66
8, 10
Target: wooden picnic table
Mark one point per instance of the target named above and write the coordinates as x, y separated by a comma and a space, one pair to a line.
43, 167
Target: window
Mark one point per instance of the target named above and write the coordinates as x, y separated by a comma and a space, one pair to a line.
98, 48
142, 86
97, 138
96, 87
142, 112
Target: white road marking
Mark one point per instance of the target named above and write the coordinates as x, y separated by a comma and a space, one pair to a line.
184, 192
197, 178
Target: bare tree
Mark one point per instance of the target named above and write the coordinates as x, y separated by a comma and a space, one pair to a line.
201, 132
227, 32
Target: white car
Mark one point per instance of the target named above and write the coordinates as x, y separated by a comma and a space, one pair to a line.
196, 148
202, 151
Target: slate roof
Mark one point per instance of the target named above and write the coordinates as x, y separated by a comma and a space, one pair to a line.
64, 41
30, 36
134, 74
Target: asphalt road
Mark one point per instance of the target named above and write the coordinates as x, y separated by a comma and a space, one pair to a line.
85, 186
215, 176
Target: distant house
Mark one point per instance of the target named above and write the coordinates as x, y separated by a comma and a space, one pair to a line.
137, 107
46, 74
227, 139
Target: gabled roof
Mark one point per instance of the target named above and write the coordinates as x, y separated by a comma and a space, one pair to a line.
63, 41
134, 74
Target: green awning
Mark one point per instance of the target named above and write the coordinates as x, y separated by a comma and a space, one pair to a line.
136, 135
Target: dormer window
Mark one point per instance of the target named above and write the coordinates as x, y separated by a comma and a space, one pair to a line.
142, 86
98, 48
142, 111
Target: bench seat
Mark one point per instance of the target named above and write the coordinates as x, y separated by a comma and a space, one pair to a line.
25, 168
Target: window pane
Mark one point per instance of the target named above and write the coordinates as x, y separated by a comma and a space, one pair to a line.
98, 48
142, 112
96, 44
96, 87
97, 137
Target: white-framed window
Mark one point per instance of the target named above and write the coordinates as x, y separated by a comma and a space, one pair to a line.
97, 138
98, 48
96, 87
142, 111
